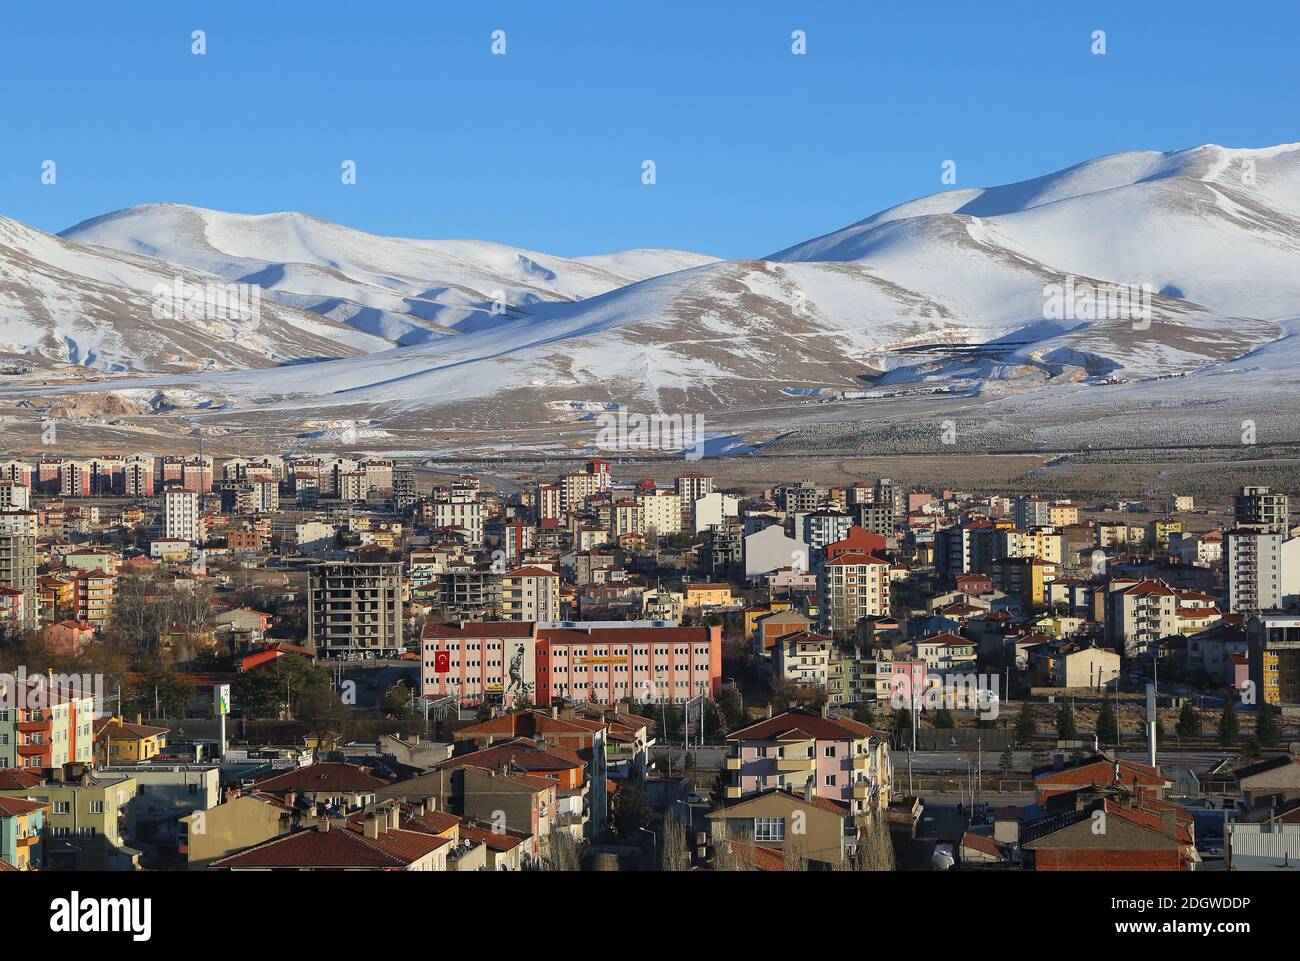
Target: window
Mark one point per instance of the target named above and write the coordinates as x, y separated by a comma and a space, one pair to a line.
830, 780
829, 750
769, 829
96, 807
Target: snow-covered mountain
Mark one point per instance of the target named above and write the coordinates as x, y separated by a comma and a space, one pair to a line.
953, 293
65, 303
406, 291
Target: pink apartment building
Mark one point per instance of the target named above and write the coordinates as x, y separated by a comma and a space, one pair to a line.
803, 750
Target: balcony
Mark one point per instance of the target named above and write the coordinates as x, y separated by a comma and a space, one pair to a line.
733, 793
862, 791
731, 764
796, 765
861, 762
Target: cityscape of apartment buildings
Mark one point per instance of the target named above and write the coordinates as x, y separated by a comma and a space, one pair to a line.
639, 672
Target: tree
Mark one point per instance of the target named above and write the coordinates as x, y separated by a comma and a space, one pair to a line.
1065, 729
863, 713
277, 687
1268, 728
794, 859
713, 729
942, 719
1229, 725
1189, 721
397, 701
732, 708
1026, 728
141, 610
1107, 722
630, 812
676, 854
1250, 750
1006, 762
162, 691
902, 723
874, 850
562, 851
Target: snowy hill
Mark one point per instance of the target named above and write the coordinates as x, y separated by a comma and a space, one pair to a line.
948, 294
64, 303
407, 291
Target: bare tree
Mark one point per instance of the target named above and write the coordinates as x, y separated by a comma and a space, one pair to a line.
795, 859
676, 855
563, 852
731, 850
875, 849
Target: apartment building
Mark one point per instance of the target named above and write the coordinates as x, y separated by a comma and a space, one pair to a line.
1273, 654
181, 518
465, 515
18, 561
530, 594
661, 513
355, 609
852, 586
44, 726
14, 497
87, 815
1260, 507
1252, 570
815, 753
802, 657
1138, 615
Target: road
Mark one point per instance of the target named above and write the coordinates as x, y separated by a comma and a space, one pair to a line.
923, 761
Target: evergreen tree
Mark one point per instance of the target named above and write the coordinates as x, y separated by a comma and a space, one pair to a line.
1229, 726
1026, 728
1006, 762
1065, 729
863, 714
942, 719
1189, 721
1107, 723
1268, 729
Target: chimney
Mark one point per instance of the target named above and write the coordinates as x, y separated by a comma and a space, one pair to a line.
1168, 823
374, 826
139, 718
826, 709
394, 816
808, 790
769, 711
323, 825
555, 711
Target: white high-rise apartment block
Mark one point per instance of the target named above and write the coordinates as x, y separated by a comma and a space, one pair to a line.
14, 497
463, 514
181, 519
1252, 570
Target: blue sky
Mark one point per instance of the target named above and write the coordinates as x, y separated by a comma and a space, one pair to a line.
755, 148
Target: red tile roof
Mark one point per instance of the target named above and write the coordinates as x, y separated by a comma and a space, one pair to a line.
338, 847
327, 776
14, 807
801, 724
19, 779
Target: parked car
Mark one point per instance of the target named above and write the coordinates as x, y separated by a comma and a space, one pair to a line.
943, 858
